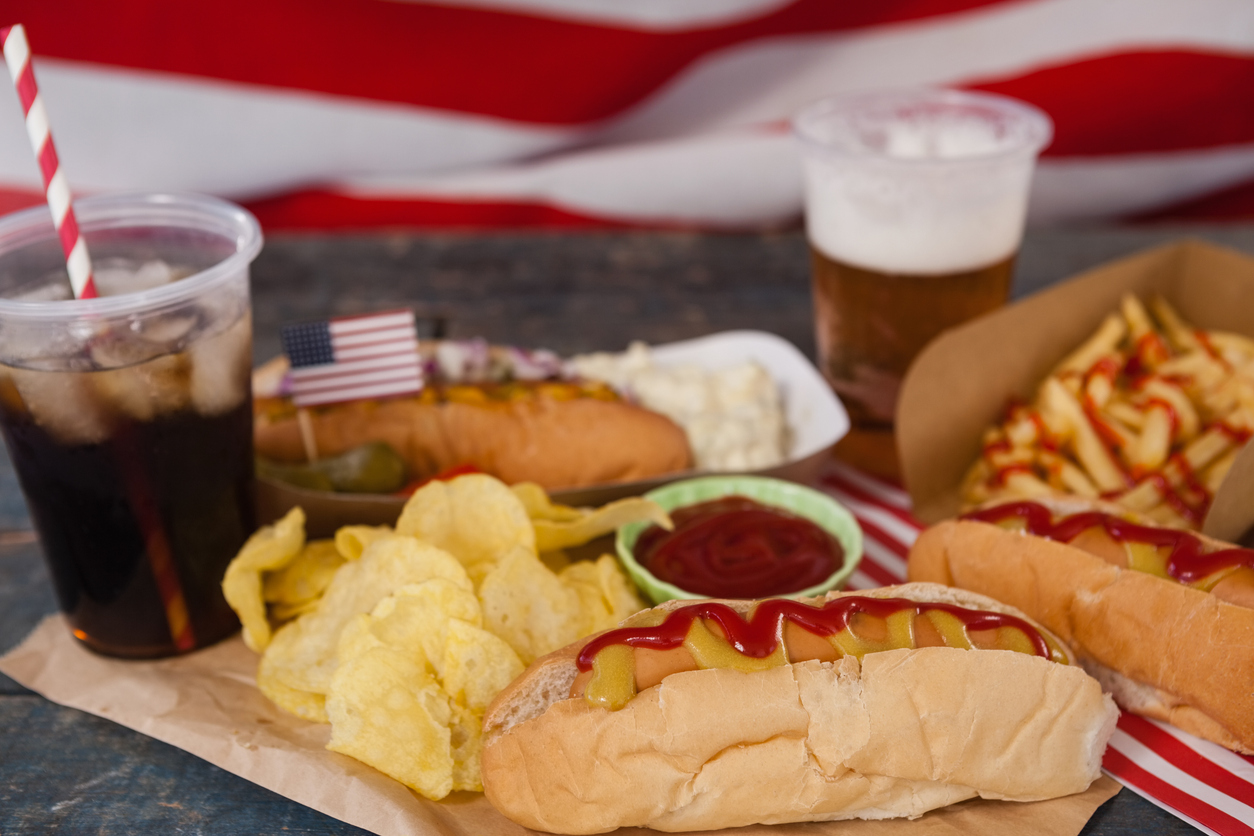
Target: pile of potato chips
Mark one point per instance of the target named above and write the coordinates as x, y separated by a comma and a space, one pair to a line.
401, 637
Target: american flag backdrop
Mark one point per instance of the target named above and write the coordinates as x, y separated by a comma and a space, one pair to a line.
353, 357
335, 114
1208, 786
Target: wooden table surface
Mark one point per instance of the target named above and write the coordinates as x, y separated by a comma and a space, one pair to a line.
63, 770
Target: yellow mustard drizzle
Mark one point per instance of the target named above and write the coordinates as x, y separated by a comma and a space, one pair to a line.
613, 681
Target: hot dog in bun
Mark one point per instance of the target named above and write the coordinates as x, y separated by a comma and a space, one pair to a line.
1164, 618
559, 434
711, 714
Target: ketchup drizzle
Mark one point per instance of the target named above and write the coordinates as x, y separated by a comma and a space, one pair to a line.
758, 637
1187, 563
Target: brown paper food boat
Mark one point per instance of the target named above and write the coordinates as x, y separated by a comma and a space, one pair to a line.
961, 382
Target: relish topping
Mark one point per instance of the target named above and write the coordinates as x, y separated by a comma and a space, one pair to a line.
1186, 559
714, 635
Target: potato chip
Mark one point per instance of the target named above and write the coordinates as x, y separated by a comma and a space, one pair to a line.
417, 617
356, 638
526, 605
309, 659
476, 518
466, 739
562, 534
303, 704
352, 540
303, 580
272, 547
283, 613
477, 665
606, 595
387, 711
540, 507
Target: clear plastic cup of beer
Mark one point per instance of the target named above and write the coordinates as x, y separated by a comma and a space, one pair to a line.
128, 417
915, 207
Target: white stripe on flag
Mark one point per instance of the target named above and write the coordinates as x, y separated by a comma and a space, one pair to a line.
1158, 766
1213, 752
886, 521
359, 392
373, 335
358, 378
396, 347
312, 372
368, 323
861, 580
884, 493
887, 559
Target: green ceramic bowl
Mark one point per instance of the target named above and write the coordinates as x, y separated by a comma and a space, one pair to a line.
797, 499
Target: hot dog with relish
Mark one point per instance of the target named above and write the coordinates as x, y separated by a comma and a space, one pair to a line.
1163, 617
710, 714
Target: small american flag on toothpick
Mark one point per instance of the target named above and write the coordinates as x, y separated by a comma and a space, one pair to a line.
352, 357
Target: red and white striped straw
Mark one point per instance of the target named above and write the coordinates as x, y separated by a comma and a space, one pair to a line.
77, 261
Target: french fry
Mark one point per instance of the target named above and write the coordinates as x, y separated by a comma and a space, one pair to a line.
1094, 458
1125, 413
1134, 314
1213, 475
1103, 342
1185, 413
1181, 336
1148, 412
1154, 443
1021, 485
1232, 347
1066, 477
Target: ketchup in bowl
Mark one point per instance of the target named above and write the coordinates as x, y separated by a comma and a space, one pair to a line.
737, 547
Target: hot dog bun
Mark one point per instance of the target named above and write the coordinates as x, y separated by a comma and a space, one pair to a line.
901, 733
1164, 649
558, 443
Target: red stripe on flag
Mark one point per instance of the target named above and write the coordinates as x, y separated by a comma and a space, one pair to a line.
1187, 759
887, 540
857, 492
427, 55
876, 572
26, 89
14, 199
329, 211
1125, 770
1232, 203
1102, 105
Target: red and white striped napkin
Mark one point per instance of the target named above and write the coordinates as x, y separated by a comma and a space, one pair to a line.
1206, 785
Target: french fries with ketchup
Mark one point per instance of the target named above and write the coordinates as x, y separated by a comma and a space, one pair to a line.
1149, 413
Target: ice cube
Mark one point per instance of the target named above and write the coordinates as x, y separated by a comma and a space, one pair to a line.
172, 331
65, 405
144, 391
221, 368
117, 350
115, 277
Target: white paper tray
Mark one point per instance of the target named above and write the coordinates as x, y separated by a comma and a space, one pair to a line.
815, 417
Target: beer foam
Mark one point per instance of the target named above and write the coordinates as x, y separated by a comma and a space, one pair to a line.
932, 194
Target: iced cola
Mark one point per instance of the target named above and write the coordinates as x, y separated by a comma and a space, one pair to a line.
129, 418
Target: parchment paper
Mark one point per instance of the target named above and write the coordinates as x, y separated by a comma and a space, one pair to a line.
207, 703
